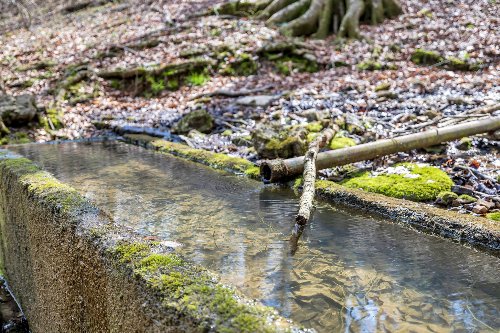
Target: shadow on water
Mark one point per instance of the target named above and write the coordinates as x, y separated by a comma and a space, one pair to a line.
351, 272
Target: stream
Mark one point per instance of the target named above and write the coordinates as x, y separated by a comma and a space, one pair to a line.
352, 272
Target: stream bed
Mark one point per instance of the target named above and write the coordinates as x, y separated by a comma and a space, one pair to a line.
352, 272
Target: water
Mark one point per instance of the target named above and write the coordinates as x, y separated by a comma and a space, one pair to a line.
352, 273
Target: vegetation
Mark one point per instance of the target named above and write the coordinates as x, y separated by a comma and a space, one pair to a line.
425, 184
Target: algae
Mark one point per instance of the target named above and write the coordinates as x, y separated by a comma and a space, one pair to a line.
425, 187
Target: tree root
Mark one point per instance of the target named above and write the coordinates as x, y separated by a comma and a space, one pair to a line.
321, 17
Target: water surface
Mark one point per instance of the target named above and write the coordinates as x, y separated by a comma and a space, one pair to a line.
352, 273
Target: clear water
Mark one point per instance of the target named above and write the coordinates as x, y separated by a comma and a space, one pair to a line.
352, 273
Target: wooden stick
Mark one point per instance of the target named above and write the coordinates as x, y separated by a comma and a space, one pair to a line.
276, 170
306, 200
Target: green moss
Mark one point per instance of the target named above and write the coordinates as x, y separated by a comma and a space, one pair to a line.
239, 64
282, 147
48, 189
341, 142
215, 160
55, 116
194, 291
227, 132
493, 216
20, 138
292, 63
314, 127
311, 136
156, 86
298, 183
128, 252
383, 86
370, 65
467, 198
197, 78
446, 197
253, 172
426, 187
154, 262
425, 57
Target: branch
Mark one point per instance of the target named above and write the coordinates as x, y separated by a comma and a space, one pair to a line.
276, 170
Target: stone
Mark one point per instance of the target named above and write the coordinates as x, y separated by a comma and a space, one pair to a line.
478, 209
431, 114
199, 120
464, 143
446, 198
488, 204
17, 110
353, 125
270, 144
257, 100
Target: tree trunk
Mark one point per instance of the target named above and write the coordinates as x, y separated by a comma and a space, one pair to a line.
276, 170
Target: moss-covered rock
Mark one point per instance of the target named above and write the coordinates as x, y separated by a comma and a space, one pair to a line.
199, 120
421, 183
426, 57
466, 199
283, 144
341, 142
445, 198
464, 143
288, 64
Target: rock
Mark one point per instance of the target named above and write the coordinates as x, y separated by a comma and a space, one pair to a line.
353, 125
431, 114
257, 100
464, 143
383, 86
315, 115
199, 120
462, 190
488, 204
17, 110
446, 198
478, 209
270, 144
466, 199
387, 94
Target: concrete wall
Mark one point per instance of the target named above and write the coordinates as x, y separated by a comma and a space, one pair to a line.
59, 255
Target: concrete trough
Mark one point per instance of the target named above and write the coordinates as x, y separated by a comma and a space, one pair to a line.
74, 270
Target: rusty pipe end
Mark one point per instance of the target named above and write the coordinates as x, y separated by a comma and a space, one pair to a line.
272, 171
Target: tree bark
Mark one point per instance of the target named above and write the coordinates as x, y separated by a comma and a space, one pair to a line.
276, 170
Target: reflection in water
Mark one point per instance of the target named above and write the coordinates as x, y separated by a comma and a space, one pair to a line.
352, 273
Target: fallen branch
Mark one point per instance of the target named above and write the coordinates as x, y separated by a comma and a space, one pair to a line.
309, 175
278, 169
306, 205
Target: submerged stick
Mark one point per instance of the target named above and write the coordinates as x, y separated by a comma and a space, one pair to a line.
276, 170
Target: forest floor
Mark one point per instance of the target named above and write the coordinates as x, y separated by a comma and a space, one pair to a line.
373, 88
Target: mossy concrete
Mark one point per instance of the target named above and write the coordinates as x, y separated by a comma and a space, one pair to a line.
215, 160
476, 231
74, 270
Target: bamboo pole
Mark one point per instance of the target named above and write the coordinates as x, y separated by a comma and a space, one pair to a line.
276, 170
